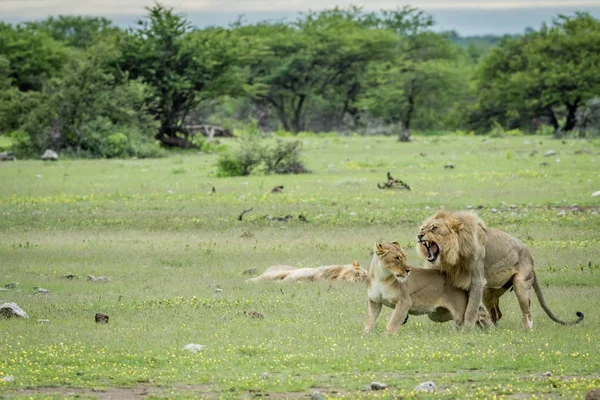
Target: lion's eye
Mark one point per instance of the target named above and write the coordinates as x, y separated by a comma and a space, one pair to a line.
434, 228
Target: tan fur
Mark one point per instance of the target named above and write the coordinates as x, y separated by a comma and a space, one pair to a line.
287, 273
415, 291
485, 261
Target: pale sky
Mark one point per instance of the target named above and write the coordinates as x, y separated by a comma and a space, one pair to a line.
465, 16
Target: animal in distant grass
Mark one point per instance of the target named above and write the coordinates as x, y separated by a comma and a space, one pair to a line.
484, 261
286, 273
416, 291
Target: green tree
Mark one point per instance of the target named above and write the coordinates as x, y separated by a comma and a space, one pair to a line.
184, 68
32, 56
76, 31
550, 73
320, 56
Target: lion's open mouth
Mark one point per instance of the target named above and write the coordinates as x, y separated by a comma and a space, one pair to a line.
433, 251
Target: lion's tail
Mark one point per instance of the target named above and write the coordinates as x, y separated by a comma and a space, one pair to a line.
540, 296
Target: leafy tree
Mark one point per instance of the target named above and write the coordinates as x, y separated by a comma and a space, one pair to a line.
76, 31
183, 67
322, 55
32, 56
550, 73
86, 111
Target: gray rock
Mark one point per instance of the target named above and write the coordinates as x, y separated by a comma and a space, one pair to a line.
428, 386
561, 213
7, 156
493, 210
39, 290
50, 155
378, 386
8, 378
585, 150
549, 153
193, 348
264, 375
218, 290
9, 310
596, 193
547, 373
317, 395
43, 321
11, 285
2, 289
449, 166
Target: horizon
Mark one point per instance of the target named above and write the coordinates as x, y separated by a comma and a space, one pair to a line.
466, 17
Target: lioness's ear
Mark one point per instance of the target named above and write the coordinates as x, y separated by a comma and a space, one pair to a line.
356, 265
455, 224
379, 249
397, 245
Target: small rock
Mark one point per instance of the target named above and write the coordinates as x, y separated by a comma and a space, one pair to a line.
8, 378
428, 386
469, 207
423, 154
50, 155
39, 290
548, 373
585, 150
11, 285
70, 276
513, 206
449, 166
101, 318
561, 213
544, 164
43, 321
264, 375
277, 189
38, 176
7, 156
596, 193
218, 290
593, 394
493, 210
549, 153
378, 386
9, 310
193, 348
250, 271
316, 395
2, 289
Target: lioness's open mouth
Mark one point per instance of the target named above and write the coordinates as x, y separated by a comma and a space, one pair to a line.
433, 251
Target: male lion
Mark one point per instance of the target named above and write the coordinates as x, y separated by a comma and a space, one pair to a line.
485, 261
287, 273
414, 291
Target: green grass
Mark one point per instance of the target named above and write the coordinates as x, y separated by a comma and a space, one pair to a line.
166, 243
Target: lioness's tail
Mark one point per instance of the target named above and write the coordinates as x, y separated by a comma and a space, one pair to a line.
540, 296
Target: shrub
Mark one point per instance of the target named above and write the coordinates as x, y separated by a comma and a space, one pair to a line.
282, 157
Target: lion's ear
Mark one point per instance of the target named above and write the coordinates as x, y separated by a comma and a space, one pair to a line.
356, 265
455, 224
379, 249
397, 245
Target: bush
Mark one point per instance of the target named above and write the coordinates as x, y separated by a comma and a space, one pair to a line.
253, 155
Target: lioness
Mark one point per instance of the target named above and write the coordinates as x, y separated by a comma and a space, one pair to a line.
414, 291
287, 273
485, 261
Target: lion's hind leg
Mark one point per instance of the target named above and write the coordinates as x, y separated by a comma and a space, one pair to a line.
522, 285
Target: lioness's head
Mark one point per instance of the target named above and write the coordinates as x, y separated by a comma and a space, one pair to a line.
353, 273
393, 258
438, 238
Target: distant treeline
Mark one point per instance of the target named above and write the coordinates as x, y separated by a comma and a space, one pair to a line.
82, 85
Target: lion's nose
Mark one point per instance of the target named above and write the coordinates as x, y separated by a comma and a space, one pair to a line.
420, 237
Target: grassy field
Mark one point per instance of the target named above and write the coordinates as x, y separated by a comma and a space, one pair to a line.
167, 244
